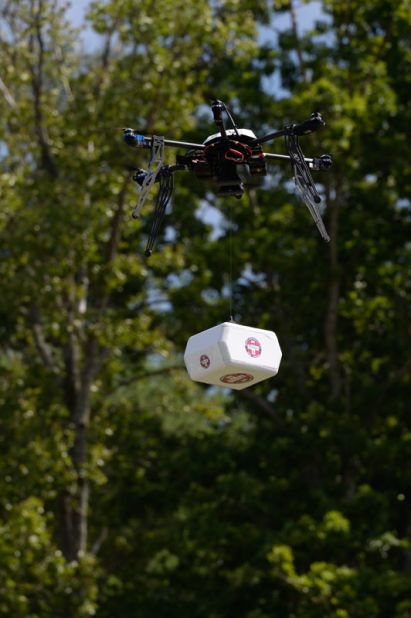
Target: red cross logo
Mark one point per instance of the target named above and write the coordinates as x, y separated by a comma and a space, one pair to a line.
205, 361
237, 378
253, 347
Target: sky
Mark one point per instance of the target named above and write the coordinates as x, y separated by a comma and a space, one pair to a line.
307, 14
76, 11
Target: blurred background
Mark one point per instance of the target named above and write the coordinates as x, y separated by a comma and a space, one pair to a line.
126, 489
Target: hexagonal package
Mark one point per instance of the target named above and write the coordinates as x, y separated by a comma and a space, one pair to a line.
232, 355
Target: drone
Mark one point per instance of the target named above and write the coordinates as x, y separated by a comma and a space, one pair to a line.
233, 159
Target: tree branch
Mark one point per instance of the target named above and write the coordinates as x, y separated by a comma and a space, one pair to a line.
112, 246
7, 94
37, 89
262, 404
99, 541
298, 48
43, 348
150, 374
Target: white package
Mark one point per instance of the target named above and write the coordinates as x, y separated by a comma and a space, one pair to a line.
232, 355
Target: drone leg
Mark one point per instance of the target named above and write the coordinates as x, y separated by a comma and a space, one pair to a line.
155, 165
305, 183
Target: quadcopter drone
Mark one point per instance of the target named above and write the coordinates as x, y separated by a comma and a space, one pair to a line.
233, 158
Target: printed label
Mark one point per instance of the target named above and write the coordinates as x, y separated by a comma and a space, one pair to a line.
253, 347
205, 361
237, 378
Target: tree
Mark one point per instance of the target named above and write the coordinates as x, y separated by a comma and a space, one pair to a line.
77, 317
333, 509
128, 490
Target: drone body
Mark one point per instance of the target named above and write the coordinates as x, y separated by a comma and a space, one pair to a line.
231, 158
232, 162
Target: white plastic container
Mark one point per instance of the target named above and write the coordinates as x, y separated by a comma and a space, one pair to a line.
232, 355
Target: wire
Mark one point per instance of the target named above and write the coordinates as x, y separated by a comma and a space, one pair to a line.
230, 262
227, 111
162, 200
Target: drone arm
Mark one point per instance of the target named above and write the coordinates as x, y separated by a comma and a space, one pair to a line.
269, 137
136, 140
316, 163
313, 123
272, 155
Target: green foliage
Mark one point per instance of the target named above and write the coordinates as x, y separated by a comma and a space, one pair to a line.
35, 579
127, 489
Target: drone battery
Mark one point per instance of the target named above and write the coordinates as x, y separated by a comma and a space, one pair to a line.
232, 355
203, 170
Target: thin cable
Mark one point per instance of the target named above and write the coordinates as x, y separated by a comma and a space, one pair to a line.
227, 111
230, 261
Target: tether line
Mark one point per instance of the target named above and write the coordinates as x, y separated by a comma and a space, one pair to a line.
230, 252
